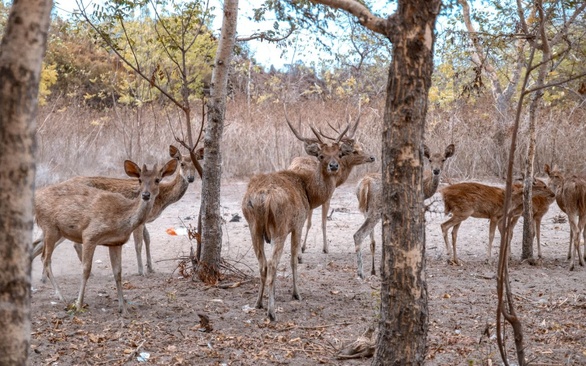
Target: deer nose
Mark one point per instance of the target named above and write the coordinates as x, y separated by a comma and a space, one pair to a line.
436, 171
190, 179
146, 196
333, 166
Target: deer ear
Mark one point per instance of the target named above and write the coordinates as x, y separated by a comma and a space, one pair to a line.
199, 153
174, 152
131, 169
169, 168
346, 149
312, 149
449, 150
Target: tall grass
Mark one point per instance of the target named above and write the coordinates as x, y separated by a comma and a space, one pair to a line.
75, 141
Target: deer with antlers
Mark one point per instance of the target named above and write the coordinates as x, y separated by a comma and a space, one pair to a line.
369, 195
169, 193
95, 217
309, 164
570, 195
277, 204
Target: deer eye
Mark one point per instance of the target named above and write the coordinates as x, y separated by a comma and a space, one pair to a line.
157, 180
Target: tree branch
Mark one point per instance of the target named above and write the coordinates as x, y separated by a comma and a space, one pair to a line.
364, 15
264, 36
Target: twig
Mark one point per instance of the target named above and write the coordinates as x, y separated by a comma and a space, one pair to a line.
312, 327
135, 352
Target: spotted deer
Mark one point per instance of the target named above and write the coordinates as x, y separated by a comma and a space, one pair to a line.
95, 217
277, 204
570, 195
347, 163
540, 205
470, 199
369, 195
169, 193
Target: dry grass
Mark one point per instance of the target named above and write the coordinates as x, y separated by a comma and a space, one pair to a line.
75, 141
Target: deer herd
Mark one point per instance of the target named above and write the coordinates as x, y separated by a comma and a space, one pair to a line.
92, 211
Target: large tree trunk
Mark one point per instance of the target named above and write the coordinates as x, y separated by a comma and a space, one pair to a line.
212, 170
404, 314
21, 54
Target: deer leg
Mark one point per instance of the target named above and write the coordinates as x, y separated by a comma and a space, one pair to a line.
87, 258
278, 243
454, 237
295, 241
372, 250
309, 214
38, 249
452, 222
491, 229
324, 216
138, 237
581, 224
513, 221
364, 230
50, 241
575, 238
116, 262
570, 247
584, 232
258, 245
147, 249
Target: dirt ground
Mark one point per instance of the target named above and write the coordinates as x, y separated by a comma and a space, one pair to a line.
164, 328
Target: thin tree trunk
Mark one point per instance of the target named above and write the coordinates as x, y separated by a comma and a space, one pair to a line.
212, 170
404, 313
21, 54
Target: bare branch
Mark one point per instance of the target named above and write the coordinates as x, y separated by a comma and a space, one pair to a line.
364, 15
263, 36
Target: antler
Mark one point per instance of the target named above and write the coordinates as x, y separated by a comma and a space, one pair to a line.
307, 140
353, 130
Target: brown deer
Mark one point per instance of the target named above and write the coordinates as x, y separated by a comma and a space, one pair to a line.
95, 217
369, 192
540, 205
277, 204
347, 163
169, 193
570, 195
470, 199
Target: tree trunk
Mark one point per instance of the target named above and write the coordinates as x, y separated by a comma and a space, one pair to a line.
404, 313
208, 270
21, 54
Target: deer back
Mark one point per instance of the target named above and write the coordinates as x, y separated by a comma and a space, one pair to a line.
481, 200
274, 204
368, 192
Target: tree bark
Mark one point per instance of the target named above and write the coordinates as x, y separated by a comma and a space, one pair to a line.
21, 54
208, 270
404, 313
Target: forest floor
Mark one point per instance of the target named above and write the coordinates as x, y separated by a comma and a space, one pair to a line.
164, 325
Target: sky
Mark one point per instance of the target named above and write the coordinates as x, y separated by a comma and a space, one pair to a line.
265, 53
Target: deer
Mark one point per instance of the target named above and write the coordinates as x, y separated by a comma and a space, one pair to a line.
277, 204
570, 195
470, 199
369, 195
347, 163
169, 193
540, 205
93, 217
